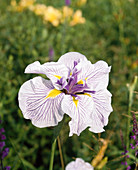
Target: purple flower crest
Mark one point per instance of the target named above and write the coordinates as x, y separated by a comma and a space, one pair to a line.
76, 87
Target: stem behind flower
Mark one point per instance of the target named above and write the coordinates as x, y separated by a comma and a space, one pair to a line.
60, 151
52, 155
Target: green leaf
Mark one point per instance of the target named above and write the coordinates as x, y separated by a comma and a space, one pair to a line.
57, 130
28, 165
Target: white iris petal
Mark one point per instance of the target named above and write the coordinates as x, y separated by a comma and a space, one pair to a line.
76, 87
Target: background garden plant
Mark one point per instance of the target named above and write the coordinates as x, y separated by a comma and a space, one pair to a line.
109, 33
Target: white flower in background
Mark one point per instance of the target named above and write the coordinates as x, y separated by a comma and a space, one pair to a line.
79, 164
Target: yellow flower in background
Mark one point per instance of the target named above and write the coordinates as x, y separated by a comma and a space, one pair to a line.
52, 15
13, 3
77, 18
67, 12
81, 2
23, 4
135, 64
49, 13
39, 9
26, 3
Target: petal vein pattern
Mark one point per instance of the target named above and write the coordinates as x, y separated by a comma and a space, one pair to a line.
80, 115
39, 104
76, 87
69, 58
101, 110
53, 70
96, 75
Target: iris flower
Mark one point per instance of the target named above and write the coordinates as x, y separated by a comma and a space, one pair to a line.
79, 164
75, 87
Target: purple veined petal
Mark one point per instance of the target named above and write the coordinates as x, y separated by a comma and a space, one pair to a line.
53, 70
79, 164
71, 82
40, 102
35, 67
79, 109
71, 58
100, 79
60, 83
101, 110
96, 75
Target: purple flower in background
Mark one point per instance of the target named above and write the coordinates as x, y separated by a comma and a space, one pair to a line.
3, 137
3, 151
2, 144
79, 164
51, 54
76, 87
134, 137
129, 167
135, 127
2, 130
67, 2
7, 167
124, 163
132, 146
136, 152
125, 153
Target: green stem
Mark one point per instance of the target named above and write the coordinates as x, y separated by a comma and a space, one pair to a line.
60, 152
52, 155
1, 165
128, 125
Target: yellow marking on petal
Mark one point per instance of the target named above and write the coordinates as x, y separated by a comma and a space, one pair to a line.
59, 77
80, 82
53, 93
75, 101
70, 73
87, 94
86, 78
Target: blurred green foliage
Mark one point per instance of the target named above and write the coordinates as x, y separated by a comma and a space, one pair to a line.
110, 34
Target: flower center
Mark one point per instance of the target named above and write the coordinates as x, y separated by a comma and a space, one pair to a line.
75, 88
71, 85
